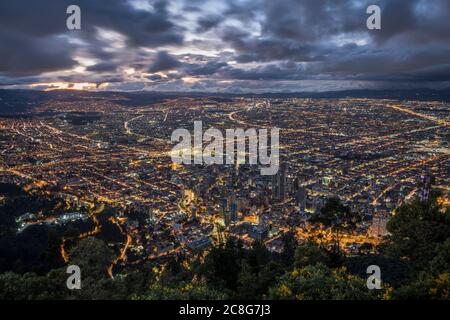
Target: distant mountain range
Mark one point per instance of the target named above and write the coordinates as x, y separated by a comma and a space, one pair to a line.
18, 101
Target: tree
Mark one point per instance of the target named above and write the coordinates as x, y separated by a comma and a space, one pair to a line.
435, 287
416, 230
185, 291
289, 245
92, 256
52, 254
309, 253
319, 282
247, 282
441, 262
31, 286
338, 217
394, 271
222, 265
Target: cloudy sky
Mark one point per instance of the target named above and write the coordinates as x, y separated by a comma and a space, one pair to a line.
225, 45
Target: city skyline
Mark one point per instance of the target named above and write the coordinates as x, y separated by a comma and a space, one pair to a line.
224, 150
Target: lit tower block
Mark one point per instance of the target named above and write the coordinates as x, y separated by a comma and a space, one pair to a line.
426, 180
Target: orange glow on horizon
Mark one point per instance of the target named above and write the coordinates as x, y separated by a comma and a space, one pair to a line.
49, 86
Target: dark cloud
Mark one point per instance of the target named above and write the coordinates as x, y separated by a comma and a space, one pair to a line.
331, 39
100, 78
208, 22
203, 69
281, 71
34, 37
266, 50
414, 22
155, 77
103, 67
251, 44
141, 28
298, 30
127, 86
163, 62
48, 17
306, 20
423, 64
23, 55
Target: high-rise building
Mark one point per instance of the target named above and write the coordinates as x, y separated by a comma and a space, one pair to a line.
228, 210
425, 182
233, 212
301, 196
259, 231
223, 205
279, 183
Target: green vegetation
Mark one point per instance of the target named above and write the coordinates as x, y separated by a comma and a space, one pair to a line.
414, 262
338, 217
318, 282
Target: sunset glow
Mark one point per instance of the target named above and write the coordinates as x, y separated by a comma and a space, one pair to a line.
68, 86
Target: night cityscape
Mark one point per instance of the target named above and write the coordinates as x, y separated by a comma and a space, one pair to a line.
88, 181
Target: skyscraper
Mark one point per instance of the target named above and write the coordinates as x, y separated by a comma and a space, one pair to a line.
300, 198
279, 183
425, 182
